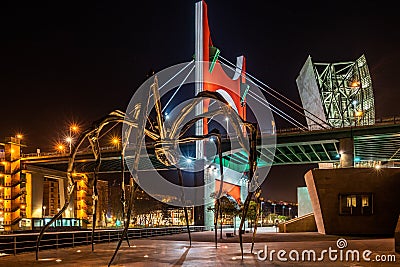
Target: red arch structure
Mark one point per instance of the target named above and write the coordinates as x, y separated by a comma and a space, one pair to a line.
212, 74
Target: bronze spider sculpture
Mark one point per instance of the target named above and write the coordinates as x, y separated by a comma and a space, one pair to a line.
165, 143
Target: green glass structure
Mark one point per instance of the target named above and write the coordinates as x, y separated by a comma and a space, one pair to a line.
340, 93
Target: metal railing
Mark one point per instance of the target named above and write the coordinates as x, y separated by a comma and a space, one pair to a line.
19, 243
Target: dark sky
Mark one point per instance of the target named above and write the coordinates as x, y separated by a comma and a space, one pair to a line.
65, 61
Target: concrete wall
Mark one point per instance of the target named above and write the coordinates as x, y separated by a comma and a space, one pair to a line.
304, 223
326, 185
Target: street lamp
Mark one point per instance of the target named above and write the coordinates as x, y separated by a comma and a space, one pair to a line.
73, 128
69, 141
44, 211
115, 141
274, 204
60, 147
283, 210
290, 208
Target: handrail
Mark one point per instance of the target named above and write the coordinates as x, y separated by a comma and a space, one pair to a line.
18, 243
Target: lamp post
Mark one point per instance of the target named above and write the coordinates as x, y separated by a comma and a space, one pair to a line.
283, 210
274, 204
73, 128
290, 208
227, 126
262, 202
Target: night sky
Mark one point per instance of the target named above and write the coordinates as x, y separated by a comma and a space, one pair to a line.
67, 61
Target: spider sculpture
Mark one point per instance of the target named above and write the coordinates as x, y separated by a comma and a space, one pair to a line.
165, 143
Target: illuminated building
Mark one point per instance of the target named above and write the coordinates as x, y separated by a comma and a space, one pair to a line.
339, 93
12, 185
31, 195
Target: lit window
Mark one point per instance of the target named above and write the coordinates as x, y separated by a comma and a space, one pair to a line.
356, 204
351, 201
365, 201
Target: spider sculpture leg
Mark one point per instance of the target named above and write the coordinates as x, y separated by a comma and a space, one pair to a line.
123, 199
216, 212
94, 142
253, 167
219, 148
134, 187
68, 199
257, 215
244, 214
184, 208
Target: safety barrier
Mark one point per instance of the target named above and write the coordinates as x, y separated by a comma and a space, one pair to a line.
18, 243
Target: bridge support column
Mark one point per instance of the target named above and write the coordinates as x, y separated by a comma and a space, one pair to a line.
346, 150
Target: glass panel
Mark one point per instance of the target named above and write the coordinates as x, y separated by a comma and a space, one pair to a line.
351, 201
365, 201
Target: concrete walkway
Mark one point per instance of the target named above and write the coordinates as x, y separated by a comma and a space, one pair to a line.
174, 250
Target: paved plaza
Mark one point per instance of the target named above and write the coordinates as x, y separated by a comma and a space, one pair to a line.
174, 250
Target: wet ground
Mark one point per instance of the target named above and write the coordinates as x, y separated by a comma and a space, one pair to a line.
283, 249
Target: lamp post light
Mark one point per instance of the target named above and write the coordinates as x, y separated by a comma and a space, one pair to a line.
274, 204
69, 141
44, 211
73, 128
283, 210
115, 141
290, 208
60, 148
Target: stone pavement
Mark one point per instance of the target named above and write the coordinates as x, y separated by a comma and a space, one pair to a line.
174, 250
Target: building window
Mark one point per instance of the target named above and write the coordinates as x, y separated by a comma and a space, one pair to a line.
356, 204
